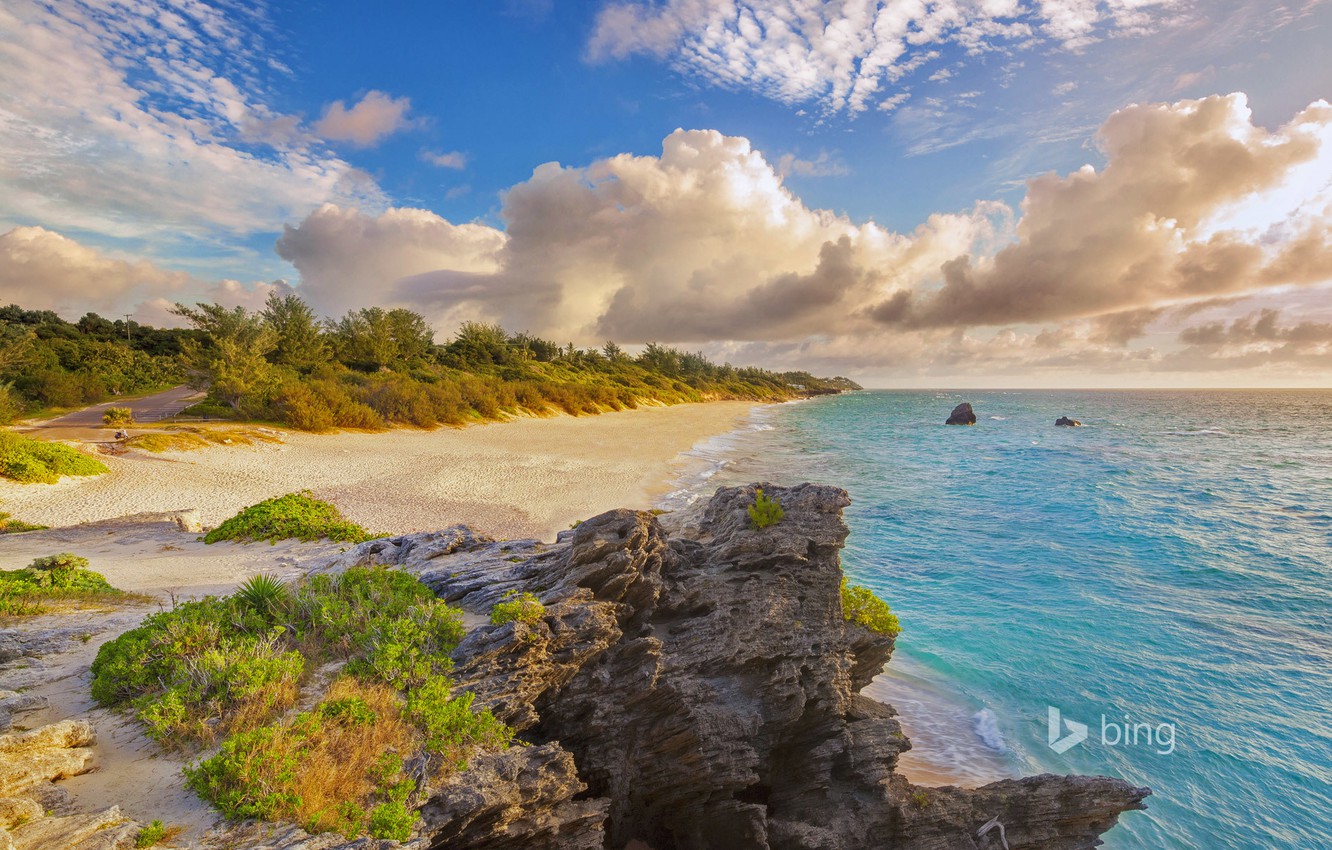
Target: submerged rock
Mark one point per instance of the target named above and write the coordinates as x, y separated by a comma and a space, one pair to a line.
962, 415
701, 691
1070, 423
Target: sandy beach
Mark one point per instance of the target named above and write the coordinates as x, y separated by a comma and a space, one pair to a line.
523, 478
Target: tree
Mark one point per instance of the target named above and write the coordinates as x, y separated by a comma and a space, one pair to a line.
231, 362
375, 339
299, 338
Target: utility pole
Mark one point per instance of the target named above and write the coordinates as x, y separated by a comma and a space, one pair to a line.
127, 328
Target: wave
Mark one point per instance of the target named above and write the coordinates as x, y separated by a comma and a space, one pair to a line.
987, 729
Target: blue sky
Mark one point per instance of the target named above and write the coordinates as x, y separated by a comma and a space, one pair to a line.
856, 198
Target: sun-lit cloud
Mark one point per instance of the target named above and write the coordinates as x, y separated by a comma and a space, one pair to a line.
844, 53
705, 244
1137, 233
349, 259
369, 121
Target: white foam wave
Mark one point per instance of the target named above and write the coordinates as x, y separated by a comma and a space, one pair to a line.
987, 729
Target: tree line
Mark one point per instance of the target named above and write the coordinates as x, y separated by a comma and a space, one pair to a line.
372, 368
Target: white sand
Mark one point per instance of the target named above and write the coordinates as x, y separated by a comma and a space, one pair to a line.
525, 478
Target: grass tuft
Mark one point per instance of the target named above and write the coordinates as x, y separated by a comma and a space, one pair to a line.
184, 438
9, 525
522, 607
296, 515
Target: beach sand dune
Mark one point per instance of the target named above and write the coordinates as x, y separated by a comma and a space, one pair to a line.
524, 478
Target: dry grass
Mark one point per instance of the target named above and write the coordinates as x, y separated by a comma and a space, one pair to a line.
342, 762
184, 438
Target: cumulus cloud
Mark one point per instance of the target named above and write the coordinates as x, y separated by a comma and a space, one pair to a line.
42, 270
148, 120
348, 258
1138, 233
705, 244
373, 118
702, 242
844, 52
1258, 339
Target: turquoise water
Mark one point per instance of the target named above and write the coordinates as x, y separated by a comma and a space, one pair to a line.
1167, 568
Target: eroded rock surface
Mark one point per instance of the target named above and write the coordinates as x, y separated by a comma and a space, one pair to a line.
704, 689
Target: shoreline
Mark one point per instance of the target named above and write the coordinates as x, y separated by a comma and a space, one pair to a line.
529, 477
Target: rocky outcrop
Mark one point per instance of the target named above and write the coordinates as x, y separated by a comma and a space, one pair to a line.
700, 691
1068, 423
962, 415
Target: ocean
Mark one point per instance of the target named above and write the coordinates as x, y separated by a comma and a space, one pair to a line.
1161, 576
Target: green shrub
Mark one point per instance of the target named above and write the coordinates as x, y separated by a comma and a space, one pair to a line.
115, 417
297, 515
54, 577
860, 605
392, 819
31, 461
523, 608
765, 512
452, 729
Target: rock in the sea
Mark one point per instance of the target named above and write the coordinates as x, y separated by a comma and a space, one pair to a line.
701, 691
962, 415
1069, 423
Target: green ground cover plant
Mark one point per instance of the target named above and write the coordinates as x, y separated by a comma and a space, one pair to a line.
860, 605
522, 607
30, 461
62, 580
297, 516
228, 670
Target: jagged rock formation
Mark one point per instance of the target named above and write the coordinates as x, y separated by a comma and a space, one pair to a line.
962, 415
700, 691
1067, 423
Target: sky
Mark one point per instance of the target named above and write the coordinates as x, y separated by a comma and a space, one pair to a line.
913, 193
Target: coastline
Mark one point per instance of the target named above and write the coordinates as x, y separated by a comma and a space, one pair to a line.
522, 478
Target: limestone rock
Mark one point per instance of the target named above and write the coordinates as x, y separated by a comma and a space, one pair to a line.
962, 415
52, 752
705, 686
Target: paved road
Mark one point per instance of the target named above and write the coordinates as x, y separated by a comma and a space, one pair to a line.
86, 424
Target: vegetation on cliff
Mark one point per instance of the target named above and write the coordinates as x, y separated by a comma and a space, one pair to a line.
860, 605
371, 369
231, 669
298, 516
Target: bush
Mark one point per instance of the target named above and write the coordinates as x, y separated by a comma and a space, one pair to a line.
860, 605
765, 512
296, 515
31, 461
524, 608
116, 417
230, 666
55, 577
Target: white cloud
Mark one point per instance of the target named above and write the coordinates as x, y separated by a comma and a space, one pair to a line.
450, 159
844, 52
823, 165
373, 118
146, 119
